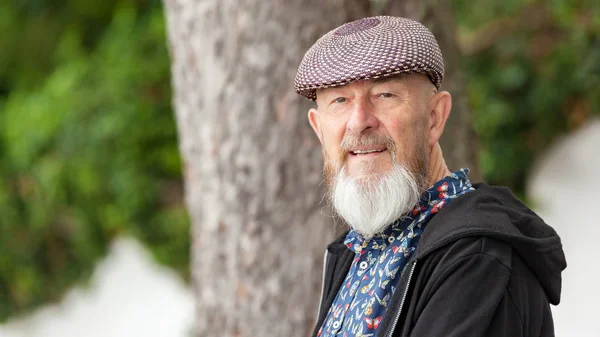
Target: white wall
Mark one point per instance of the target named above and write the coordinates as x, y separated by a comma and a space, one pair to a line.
566, 190
130, 295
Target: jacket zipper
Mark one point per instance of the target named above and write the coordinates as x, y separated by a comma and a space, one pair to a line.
397, 317
322, 286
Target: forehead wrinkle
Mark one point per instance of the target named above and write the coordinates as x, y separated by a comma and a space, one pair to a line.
383, 79
412, 85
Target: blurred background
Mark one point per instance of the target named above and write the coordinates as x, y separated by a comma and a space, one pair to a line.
94, 235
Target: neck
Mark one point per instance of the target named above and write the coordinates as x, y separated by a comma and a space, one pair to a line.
437, 165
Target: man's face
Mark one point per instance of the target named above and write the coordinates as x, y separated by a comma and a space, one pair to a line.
367, 126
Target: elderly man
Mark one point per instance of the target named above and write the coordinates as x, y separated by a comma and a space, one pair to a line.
428, 254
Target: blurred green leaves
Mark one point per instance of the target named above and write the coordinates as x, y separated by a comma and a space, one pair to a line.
88, 152
539, 78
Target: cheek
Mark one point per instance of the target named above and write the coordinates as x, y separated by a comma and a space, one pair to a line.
333, 133
404, 133
398, 130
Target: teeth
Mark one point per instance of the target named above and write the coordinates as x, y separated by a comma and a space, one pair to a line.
365, 151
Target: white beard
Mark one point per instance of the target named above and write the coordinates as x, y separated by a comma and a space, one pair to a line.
370, 206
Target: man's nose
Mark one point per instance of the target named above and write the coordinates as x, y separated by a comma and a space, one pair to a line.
362, 117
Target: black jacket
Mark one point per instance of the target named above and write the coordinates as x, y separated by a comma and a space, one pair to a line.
486, 265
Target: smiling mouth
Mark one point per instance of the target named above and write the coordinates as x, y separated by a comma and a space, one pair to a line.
363, 152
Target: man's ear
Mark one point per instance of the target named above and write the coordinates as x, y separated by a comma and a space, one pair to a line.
439, 110
313, 119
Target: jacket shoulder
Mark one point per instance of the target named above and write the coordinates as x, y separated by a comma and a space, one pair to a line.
468, 263
455, 251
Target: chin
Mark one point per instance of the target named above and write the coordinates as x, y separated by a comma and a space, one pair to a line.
369, 175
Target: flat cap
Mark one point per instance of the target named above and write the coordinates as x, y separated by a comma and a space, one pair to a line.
369, 48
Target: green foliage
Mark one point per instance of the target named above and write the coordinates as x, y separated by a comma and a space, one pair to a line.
88, 151
539, 79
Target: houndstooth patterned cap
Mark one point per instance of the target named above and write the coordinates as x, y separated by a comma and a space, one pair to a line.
369, 48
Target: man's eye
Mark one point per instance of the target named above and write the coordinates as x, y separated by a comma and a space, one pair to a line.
340, 100
385, 95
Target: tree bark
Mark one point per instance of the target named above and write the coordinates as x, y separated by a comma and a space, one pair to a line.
252, 165
459, 141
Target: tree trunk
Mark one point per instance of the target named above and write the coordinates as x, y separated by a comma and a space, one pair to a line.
252, 164
459, 141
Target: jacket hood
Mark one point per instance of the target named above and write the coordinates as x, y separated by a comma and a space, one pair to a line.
496, 213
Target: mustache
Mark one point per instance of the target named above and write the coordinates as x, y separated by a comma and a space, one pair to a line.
353, 140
